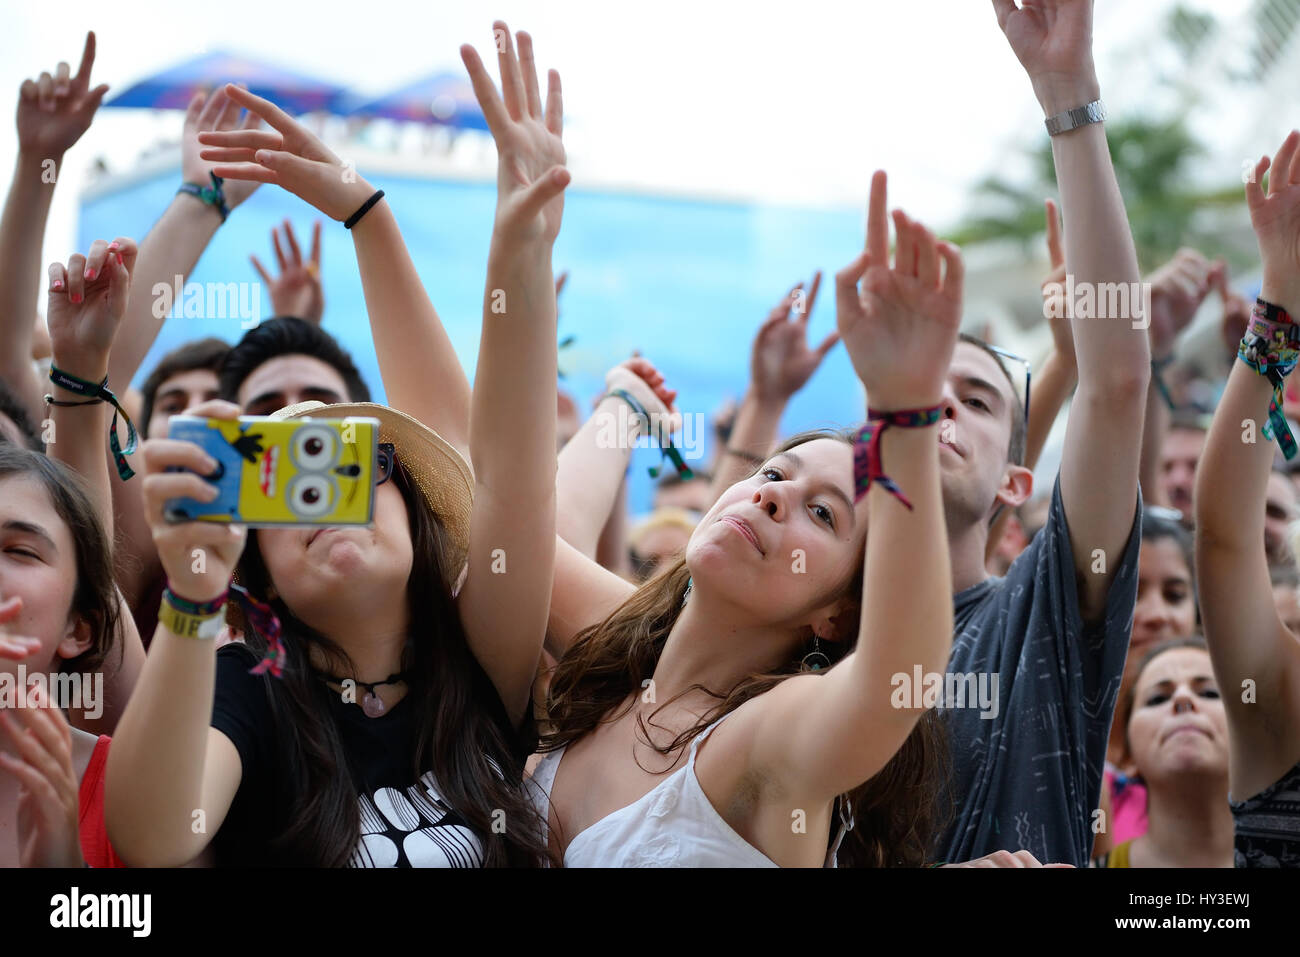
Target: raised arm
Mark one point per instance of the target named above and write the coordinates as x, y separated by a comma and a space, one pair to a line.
592, 464
53, 113
1177, 290
1099, 466
87, 299
512, 535
177, 240
410, 342
167, 762
780, 364
820, 736
1056, 378
1247, 639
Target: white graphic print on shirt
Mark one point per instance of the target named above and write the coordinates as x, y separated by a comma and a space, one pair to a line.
413, 828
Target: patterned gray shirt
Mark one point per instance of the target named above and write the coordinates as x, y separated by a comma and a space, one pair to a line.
1027, 774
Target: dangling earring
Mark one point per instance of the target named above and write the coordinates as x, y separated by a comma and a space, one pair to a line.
690, 583
816, 659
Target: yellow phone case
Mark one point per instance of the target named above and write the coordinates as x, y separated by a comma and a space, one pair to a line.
275, 472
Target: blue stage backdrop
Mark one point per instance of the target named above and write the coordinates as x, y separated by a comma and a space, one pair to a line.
686, 282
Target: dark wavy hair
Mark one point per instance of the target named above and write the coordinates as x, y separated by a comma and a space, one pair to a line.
282, 336
897, 813
464, 737
95, 599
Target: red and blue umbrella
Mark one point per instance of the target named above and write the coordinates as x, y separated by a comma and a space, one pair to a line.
444, 99
173, 88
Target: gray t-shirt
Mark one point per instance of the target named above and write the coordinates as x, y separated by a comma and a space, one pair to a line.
1027, 775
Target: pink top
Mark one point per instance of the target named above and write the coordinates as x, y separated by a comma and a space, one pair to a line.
1128, 806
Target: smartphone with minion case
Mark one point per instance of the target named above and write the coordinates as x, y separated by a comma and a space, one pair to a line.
278, 472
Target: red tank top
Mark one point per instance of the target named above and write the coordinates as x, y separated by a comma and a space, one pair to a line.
94, 834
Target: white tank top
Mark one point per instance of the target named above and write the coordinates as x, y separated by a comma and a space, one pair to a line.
673, 825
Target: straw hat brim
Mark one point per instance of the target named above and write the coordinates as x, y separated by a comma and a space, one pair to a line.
439, 471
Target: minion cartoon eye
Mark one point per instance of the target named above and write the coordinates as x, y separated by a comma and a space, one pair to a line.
314, 448
310, 496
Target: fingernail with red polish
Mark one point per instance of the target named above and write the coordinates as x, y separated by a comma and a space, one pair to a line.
58, 284
75, 297
90, 274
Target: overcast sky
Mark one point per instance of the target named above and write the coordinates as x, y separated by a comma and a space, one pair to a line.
782, 102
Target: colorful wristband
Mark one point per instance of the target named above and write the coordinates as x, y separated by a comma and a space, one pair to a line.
262, 619
97, 392
867, 467
191, 619
1271, 346
212, 196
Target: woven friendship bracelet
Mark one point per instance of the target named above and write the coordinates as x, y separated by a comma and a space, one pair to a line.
1271, 346
98, 392
867, 467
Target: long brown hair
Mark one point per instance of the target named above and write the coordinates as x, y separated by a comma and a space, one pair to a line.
464, 737
896, 812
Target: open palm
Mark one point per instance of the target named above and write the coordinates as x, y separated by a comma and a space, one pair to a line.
781, 361
288, 155
530, 152
1276, 218
900, 325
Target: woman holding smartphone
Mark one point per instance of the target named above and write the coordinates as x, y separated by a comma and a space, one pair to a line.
292, 770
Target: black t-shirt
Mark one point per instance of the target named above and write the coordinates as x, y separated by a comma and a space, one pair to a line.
404, 821
1027, 771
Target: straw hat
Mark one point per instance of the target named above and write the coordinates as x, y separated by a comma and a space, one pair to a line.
441, 473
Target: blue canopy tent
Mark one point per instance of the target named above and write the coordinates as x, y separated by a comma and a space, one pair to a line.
173, 88
444, 99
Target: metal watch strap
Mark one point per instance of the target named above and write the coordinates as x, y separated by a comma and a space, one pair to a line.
1094, 112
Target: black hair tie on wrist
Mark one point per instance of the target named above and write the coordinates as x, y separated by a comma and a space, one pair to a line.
365, 208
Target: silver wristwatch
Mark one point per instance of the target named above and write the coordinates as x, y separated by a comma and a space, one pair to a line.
1094, 112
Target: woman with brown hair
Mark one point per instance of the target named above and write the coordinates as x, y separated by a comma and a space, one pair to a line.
700, 720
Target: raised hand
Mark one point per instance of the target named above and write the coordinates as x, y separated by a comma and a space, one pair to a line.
1055, 307
88, 298
173, 469
1053, 41
54, 111
639, 377
288, 155
48, 789
1276, 218
1177, 290
1236, 313
216, 111
780, 361
297, 291
901, 326
530, 154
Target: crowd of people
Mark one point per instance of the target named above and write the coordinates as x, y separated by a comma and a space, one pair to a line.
879, 646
